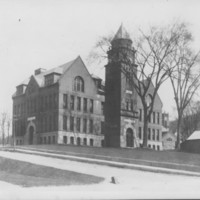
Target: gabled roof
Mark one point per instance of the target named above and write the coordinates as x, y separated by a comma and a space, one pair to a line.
58, 70
194, 136
122, 33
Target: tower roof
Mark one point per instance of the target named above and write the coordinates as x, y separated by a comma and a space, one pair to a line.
122, 33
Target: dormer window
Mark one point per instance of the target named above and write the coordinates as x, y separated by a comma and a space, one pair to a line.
48, 79
51, 78
78, 84
20, 89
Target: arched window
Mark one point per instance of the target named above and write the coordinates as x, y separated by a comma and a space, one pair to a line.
78, 84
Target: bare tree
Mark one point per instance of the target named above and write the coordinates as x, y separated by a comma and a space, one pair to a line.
9, 123
153, 50
185, 76
4, 116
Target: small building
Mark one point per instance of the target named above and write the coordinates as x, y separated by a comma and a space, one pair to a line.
192, 144
168, 139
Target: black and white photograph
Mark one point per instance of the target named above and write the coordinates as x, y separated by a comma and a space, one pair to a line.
100, 99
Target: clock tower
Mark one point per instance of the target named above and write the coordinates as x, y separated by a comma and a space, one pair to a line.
120, 95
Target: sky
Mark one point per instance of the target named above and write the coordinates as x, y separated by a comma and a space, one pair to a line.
47, 33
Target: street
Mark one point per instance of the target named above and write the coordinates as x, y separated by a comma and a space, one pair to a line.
131, 183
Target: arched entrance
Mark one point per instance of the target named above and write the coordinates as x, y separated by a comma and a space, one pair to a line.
31, 132
129, 137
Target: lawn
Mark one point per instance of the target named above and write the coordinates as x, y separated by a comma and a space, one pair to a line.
168, 159
28, 175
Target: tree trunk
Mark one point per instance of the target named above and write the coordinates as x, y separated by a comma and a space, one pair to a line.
3, 138
145, 131
178, 132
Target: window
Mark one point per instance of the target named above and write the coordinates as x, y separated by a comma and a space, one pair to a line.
78, 84
45, 124
85, 141
154, 147
91, 126
65, 123
45, 103
158, 148
41, 125
140, 132
131, 105
65, 102
102, 107
50, 101
71, 140
128, 79
127, 105
79, 103
54, 122
102, 128
55, 100
54, 139
48, 80
102, 143
140, 115
158, 135
154, 117
158, 118
50, 123
65, 139
45, 140
91, 142
41, 103
150, 119
49, 139
154, 134
84, 125
91, 105
78, 124
71, 123
72, 102
85, 105
149, 133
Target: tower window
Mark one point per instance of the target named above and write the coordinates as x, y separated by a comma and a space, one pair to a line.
78, 84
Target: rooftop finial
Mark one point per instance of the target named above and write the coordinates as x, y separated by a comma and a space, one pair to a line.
121, 33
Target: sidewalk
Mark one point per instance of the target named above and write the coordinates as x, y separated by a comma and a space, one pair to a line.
101, 161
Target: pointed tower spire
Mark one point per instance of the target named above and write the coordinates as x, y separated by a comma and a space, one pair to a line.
121, 33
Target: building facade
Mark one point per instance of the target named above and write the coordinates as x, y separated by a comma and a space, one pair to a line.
68, 105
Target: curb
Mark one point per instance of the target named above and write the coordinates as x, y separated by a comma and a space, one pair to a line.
110, 163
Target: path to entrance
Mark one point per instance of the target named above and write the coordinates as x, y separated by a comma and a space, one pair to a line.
131, 183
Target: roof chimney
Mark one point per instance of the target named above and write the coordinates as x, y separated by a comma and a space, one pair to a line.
39, 71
